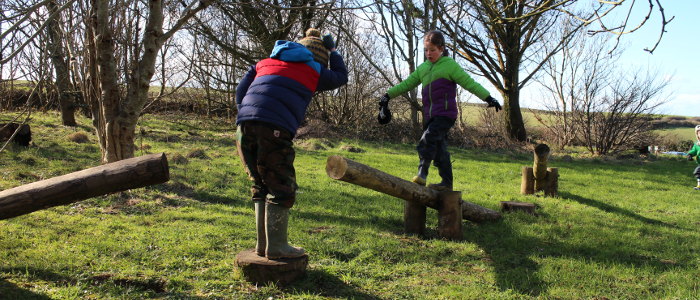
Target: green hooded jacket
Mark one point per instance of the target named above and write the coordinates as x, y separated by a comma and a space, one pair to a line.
695, 152
439, 81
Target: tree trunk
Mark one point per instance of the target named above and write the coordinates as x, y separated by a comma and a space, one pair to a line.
66, 96
116, 113
514, 118
114, 177
340, 168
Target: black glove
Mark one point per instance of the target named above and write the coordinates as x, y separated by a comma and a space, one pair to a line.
384, 100
328, 42
384, 116
690, 157
493, 103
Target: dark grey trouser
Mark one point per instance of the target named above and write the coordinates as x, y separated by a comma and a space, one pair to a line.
697, 172
432, 147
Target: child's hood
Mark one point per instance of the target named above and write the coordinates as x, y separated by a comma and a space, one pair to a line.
697, 128
291, 52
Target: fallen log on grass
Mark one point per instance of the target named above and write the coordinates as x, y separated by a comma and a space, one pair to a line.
106, 179
340, 168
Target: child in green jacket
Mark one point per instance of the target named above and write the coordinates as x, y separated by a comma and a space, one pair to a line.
439, 75
694, 154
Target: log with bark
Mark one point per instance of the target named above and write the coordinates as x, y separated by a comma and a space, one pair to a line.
109, 178
341, 168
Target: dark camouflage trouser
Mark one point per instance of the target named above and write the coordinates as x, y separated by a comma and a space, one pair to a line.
697, 172
268, 156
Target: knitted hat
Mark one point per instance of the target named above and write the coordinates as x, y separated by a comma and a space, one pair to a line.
314, 43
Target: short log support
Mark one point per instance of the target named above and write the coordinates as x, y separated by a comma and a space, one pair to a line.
414, 217
450, 215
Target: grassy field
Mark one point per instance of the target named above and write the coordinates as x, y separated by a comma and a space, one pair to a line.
683, 133
621, 229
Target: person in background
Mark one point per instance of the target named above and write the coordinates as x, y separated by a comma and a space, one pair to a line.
272, 99
439, 76
694, 154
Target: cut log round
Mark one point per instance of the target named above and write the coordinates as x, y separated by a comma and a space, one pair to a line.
260, 270
109, 178
341, 168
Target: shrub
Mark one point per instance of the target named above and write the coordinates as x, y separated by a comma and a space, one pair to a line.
78, 137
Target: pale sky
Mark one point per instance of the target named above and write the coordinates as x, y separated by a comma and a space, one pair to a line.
676, 57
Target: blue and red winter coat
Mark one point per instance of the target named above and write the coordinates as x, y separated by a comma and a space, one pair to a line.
278, 89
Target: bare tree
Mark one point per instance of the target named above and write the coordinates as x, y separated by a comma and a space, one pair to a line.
594, 103
59, 58
400, 26
503, 39
353, 106
116, 111
615, 119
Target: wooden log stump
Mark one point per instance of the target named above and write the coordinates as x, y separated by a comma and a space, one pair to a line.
109, 178
551, 189
450, 215
414, 217
509, 206
527, 185
341, 168
539, 167
260, 270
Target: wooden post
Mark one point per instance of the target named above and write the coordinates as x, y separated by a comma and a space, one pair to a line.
551, 189
414, 216
340, 168
527, 186
450, 215
539, 167
109, 178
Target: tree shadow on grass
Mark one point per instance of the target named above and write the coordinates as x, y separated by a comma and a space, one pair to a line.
615, 210
157, 287
9, 290
513, 267
322, 283
513, 255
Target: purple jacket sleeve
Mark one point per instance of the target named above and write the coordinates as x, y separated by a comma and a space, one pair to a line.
244, 84
334, 78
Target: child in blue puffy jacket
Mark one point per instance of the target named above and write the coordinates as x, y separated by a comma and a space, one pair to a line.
272, 99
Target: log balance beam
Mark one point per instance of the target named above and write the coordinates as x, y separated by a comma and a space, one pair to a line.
449, 204
101, 180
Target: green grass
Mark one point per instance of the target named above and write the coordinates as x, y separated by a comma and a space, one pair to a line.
619, 230
683, 133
